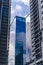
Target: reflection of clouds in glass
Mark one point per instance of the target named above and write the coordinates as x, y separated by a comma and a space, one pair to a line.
24, 59
19, 47
22, 37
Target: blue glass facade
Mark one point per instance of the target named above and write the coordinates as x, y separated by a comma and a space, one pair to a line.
19, 54
4, 31
20, 41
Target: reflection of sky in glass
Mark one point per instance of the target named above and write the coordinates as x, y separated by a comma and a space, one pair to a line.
21, 34
19, 46
20, 25
21, 29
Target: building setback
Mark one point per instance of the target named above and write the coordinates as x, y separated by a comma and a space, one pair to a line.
36, 16
20, 40
4, 30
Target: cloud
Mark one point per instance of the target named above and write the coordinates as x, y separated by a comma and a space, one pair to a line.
18, 8
12, 10
15, 11
26, 2
15, 0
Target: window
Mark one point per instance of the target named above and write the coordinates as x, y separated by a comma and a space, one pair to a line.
42, 18
41, 1
42, 6
0, 9
38, 50
0, 1
42, 12
36, 41
38, 45
38, 56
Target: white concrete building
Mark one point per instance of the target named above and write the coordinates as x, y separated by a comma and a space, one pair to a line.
28, 39
36, 15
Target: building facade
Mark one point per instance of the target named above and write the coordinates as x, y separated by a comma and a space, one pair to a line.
28, 40
4, 30
36, 15
20, 40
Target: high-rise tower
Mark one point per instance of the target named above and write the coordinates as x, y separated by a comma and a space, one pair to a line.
4, 30
28, 39
20, 40
36, 17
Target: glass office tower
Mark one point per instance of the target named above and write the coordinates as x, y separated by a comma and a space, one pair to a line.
36, 15
20, 40
4, 30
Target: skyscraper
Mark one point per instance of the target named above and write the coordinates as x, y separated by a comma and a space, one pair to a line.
4, 31
20, 40
36, 15
28, 39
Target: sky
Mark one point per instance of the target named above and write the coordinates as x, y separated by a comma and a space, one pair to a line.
18, 8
